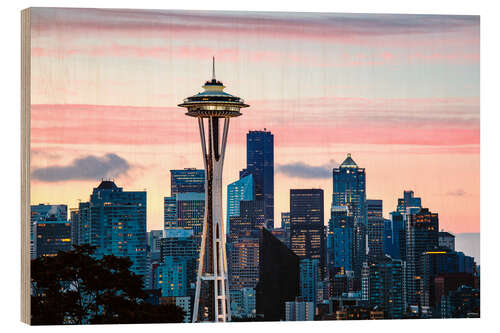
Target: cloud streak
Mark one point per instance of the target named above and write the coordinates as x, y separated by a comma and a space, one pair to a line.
458, 193
84, 168
302, 170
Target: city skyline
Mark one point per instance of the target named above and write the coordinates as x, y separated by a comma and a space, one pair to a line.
352, 113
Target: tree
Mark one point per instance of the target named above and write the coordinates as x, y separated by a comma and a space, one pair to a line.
75, 287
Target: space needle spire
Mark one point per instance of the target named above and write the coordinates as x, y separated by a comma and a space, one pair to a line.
211, 108
213, 68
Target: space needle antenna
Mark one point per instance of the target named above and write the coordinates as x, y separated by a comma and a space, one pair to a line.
213, 68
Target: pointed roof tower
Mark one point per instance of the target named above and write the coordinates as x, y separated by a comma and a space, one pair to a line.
348, 162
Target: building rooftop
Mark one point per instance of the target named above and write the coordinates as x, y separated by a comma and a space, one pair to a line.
107, 185
348, 162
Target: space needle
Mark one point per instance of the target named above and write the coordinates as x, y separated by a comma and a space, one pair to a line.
212, 107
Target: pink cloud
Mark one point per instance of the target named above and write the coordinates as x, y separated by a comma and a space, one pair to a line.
94, 124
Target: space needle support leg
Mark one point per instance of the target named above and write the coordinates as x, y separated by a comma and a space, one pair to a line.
226, 304
203, 238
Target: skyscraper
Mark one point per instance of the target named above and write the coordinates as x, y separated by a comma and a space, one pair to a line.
307, 230
278, 277
242, 189
52, 235
244, 261
185, 210
209, 107
309, 279
349, 189
181, 244
260, 164
187, 180
340, 240
383, 284
115, 221
38, 214
421, 236
398, 230
251, 216
375, 227
439, 262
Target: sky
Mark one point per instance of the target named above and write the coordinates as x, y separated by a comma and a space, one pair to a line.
398, 92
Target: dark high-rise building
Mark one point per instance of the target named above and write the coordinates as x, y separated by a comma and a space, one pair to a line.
38, 214
243, 260
52, 235
421, 236
306, 206
349, 189
441, 261
251, 216
185, 210
398, 248
260, 164
383, 285
181, 245
309, 280
388, 245
445, 283
461, 303
307, 230
340, 241
446, 240
74, 217
278, 277
115, 221
187, 180
84, 221
375, 220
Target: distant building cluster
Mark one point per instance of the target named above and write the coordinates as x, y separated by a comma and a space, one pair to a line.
359, 265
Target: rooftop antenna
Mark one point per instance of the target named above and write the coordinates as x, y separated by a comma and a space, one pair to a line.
213, 68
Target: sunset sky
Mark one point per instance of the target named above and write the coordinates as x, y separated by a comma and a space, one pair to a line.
398, 92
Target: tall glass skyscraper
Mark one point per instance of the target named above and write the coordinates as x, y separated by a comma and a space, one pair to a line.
309, 279
383, 285
115, 221
187, 180
307, 229
242, 189
349, 189
421, 235
260, 164
340, 240
376, 225
185, 210
279, 274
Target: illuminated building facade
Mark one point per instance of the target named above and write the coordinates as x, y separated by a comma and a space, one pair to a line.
52, 235
260, 164
349, 189
115, 222
242, 189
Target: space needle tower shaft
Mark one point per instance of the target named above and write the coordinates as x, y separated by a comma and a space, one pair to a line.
213, 108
